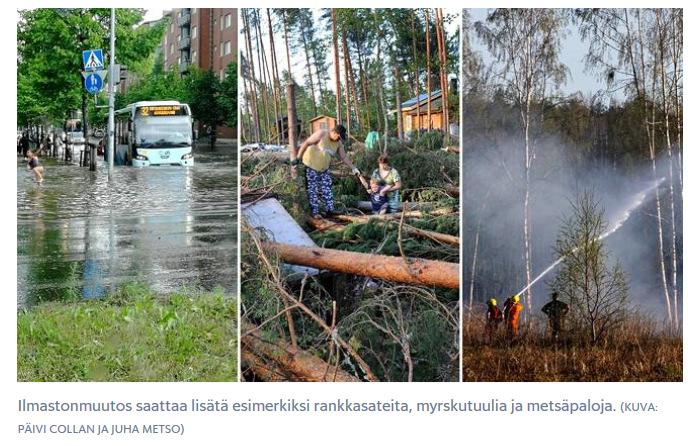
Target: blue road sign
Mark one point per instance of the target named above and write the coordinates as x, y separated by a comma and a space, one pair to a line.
93, 60
93, 83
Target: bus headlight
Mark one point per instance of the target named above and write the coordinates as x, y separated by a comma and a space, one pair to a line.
141, 158
187, 156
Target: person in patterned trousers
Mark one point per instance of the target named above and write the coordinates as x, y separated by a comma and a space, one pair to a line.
316, 154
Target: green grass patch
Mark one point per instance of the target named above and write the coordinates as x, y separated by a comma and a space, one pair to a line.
133, 335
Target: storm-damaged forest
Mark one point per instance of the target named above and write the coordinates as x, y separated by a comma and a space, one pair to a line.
349, 293
573, 190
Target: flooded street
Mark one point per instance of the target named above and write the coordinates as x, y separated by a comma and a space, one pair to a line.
81, 235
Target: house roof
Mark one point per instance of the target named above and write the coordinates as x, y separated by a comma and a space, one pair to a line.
320, 117
421, 98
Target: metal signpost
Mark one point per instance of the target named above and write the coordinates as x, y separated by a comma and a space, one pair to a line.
93, 82
111, 92
94, 73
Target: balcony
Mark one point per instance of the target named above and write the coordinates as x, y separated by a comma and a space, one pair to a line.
185, 18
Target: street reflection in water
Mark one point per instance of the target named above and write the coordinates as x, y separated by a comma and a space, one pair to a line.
81, 234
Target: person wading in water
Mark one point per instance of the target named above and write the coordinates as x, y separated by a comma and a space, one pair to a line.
35, 166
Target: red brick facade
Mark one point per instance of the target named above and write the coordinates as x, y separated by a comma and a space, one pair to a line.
204, 37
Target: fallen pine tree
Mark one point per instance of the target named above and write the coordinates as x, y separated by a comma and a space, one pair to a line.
381, 329
323, 225
406, 206
395, 269
431, 235
278, 361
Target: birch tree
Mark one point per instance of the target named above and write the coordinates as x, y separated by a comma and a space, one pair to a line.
628, 46
526, 44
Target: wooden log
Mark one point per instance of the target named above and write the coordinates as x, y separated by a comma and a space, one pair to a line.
278, 361
261, 368
407, 214
279, 157
323, 225
405, 205
395, 269
432, 235
452, 190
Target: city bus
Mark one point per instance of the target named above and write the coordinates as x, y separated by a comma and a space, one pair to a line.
153, 133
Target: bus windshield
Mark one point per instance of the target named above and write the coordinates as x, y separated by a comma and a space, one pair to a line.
156, 132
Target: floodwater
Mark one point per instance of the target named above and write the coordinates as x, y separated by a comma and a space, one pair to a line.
81, 234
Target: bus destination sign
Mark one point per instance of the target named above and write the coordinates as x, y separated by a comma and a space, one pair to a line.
161, 110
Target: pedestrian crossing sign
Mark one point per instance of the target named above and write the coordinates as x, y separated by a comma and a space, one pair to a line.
93, 60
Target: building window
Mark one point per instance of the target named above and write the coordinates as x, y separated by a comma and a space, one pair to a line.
165, 40
179, 60
179, 15
228, 21
194, 30
172, 49
172, 26
226, 48
222, 74
179, 37
193, 56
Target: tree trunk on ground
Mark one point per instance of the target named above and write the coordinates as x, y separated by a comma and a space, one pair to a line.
278, 361
405, 205
394, 269
410, 230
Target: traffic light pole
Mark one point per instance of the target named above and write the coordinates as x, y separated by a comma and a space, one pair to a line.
111, 94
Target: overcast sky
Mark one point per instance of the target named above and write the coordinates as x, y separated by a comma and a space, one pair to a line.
152, 14
572, 54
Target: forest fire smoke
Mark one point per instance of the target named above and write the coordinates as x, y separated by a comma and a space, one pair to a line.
638, 200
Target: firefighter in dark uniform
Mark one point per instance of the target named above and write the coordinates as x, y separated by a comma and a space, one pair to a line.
556, 311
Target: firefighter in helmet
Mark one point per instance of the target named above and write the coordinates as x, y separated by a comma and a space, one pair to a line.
512, 310
493, 317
